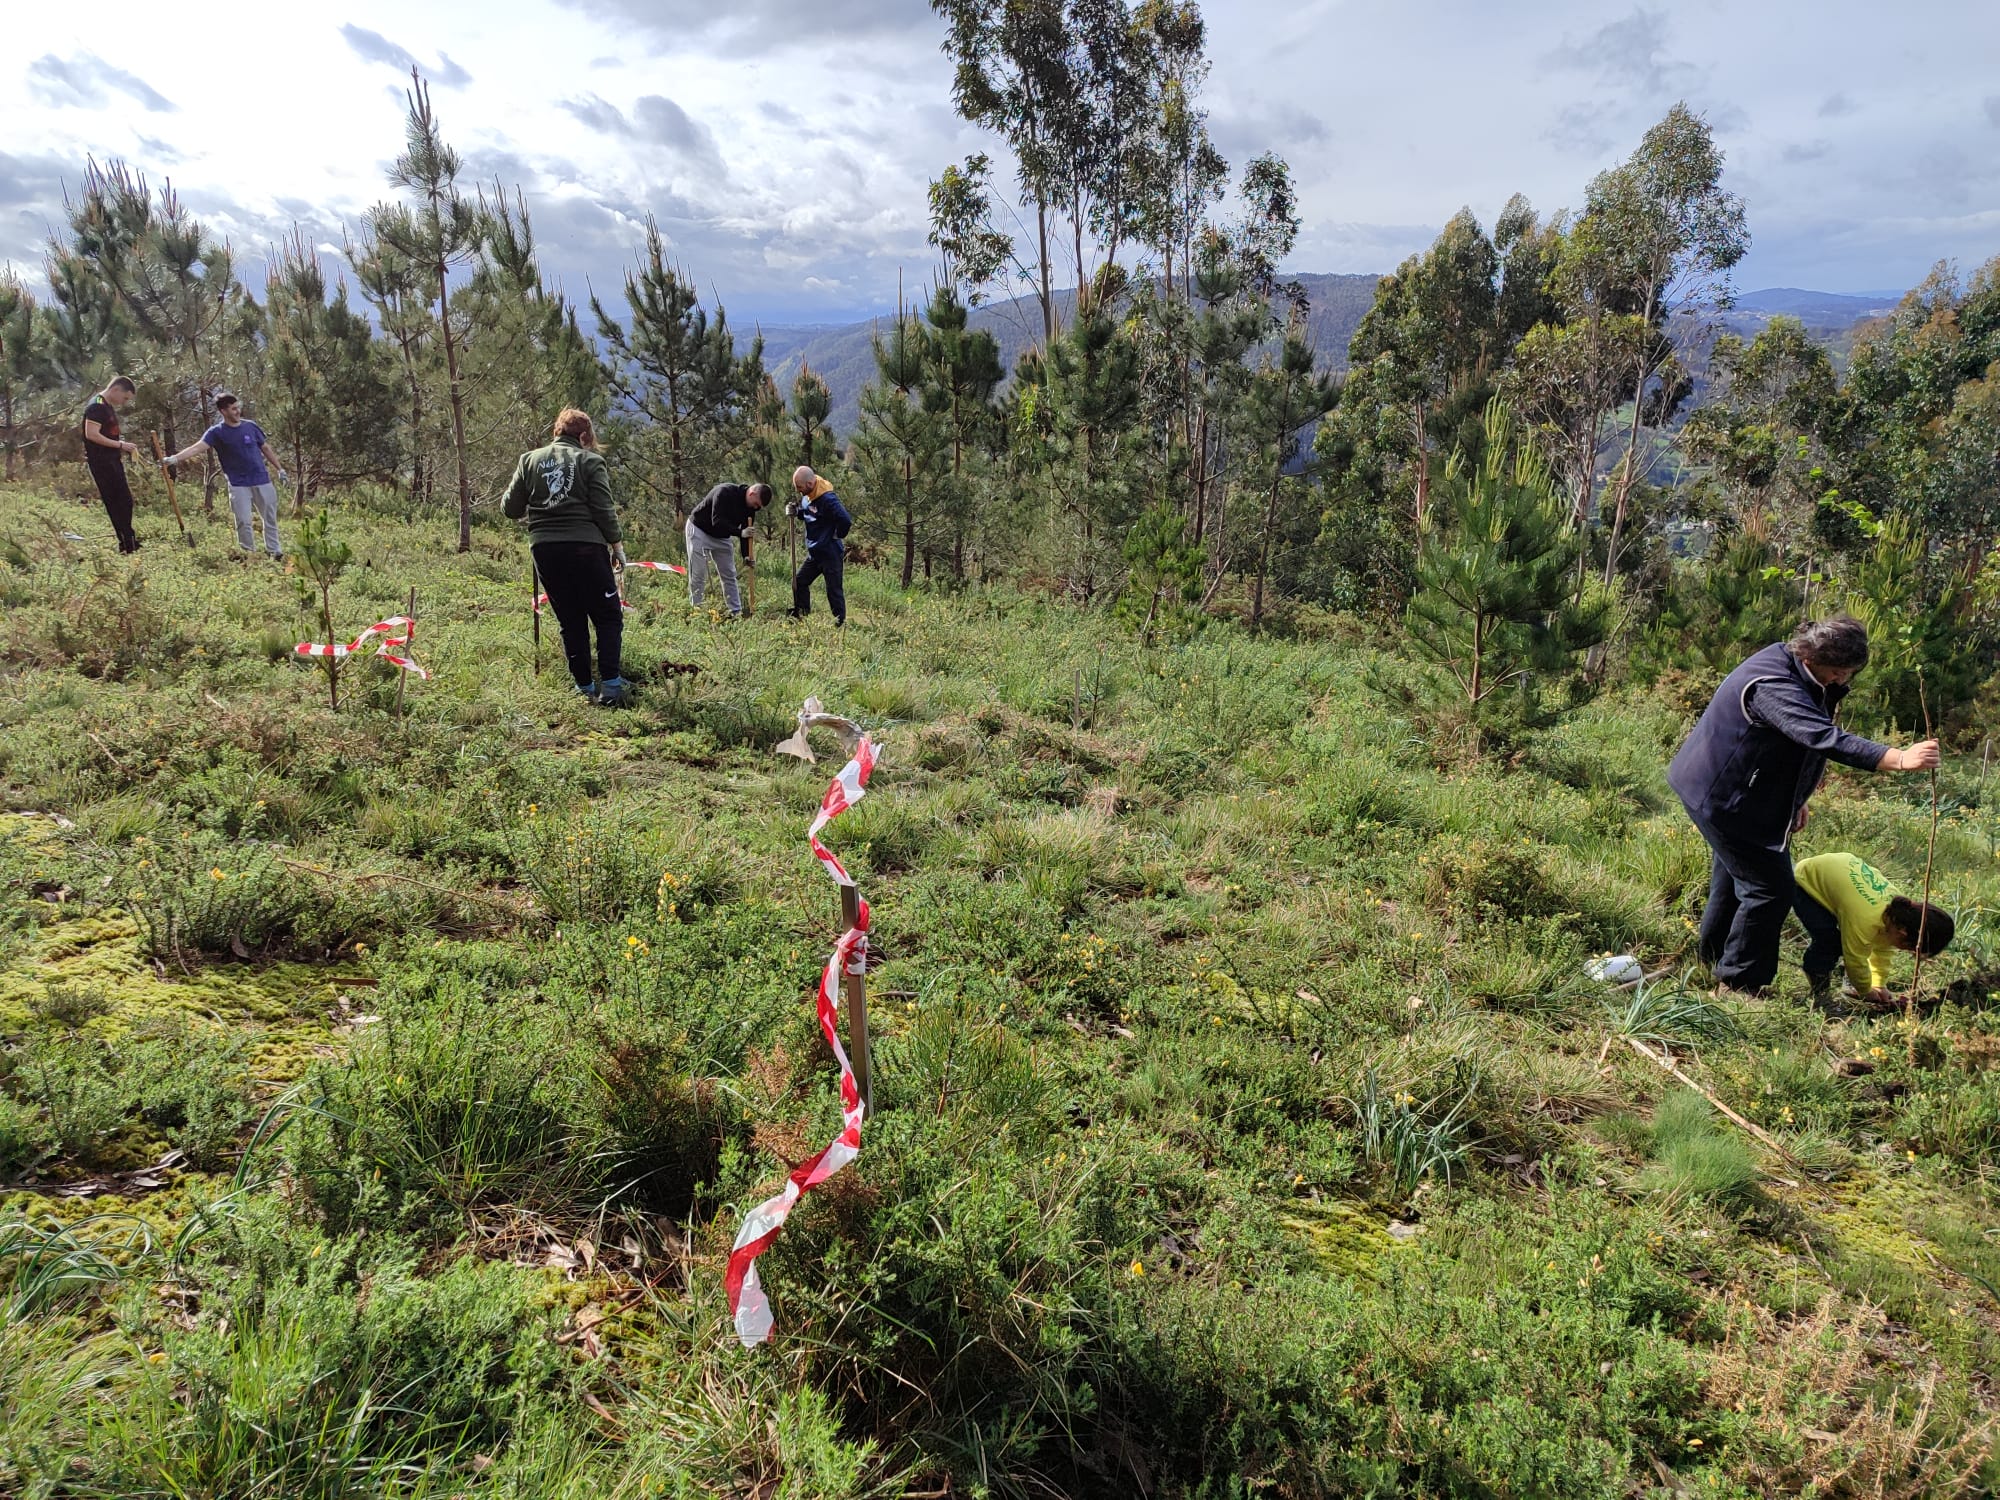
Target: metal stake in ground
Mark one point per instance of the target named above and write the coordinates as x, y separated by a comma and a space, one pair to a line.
1930, 859
535, 609
409, 648
160, 455
854, 990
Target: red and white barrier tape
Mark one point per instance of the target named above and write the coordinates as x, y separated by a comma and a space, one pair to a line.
748, 1306
386, 629
657, 567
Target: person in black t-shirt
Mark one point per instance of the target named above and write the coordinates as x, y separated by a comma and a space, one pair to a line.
727, 511
104, 451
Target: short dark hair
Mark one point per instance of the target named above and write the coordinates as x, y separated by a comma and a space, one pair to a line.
1841, 641
761, 493
123, 383
225, 399
1934, 923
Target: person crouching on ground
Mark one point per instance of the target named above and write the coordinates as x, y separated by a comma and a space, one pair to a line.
725, 513
826, 521
1853, 915
1744, 774
247, 462
564, 492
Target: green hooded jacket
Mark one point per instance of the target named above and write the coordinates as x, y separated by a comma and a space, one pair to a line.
565, 492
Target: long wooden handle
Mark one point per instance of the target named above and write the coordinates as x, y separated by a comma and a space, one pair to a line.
167, 469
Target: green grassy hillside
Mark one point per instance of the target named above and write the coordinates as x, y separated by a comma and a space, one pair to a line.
380, 1096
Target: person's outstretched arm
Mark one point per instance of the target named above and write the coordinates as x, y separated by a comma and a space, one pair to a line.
514, 504
1785, 705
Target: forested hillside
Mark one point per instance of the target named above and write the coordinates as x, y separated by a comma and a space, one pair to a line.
1295, 1063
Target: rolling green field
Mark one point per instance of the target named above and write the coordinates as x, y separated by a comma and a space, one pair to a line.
380, 1096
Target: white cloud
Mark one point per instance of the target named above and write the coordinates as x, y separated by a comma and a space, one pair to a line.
785, 148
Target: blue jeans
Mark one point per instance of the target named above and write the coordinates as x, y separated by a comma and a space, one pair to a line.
1750, 891
1822, 938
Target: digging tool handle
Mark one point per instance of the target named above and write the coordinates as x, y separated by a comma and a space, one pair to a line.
160, 456
854, 989
535, 609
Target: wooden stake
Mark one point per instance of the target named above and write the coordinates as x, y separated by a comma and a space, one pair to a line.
535, 609
854, 988
1664, 1060
160, 456
409, 647
749, 575
1930, 859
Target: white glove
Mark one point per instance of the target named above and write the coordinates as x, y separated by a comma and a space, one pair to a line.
618, 551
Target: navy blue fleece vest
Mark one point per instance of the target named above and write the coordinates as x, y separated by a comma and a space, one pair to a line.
1743, 780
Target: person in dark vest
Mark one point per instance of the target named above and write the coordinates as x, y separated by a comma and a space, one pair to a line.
1744, 774
826, 521
564, 493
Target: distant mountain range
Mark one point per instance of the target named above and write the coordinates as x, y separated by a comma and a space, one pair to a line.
842, 353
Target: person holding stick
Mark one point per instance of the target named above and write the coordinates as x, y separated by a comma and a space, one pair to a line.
727, 511
104, 453
826, 522
247, 462
1745, 772
563, 491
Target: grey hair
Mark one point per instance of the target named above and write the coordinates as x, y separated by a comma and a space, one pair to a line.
1839, 642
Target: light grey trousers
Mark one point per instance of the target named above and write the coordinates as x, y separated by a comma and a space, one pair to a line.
719, 553
264, 497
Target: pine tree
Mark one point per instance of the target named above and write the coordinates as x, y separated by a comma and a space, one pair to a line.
962, 370
1496, 603
437, 234
392, 284
1284, 398
899, 443
25, 368
1092, 394
679, 369
330, 404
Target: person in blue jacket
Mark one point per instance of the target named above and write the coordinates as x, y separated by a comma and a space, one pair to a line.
1744, 774
826, 522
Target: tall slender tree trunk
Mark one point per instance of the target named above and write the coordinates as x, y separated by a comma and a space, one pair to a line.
1422, 424
7, 416
909, 523
1625, 477
1264, 550
1048, 294
457, 412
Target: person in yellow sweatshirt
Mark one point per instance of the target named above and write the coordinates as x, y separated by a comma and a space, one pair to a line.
1853, 915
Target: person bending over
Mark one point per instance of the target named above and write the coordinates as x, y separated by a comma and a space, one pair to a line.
826, 522
1853, 915
725, 513
247, 461
1744, 774
564, 492
104, 453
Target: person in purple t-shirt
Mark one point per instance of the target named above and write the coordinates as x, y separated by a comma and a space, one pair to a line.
245, 455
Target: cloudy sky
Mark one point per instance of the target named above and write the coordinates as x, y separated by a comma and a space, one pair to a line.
784, 145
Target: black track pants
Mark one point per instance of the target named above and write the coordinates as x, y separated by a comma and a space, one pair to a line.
583, 591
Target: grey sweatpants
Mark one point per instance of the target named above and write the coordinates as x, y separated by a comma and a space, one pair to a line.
265, 498
705, 552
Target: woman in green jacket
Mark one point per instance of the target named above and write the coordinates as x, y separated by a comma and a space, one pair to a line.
564, 492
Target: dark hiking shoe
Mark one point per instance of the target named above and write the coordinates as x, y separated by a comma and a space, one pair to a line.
613, 694
588, 690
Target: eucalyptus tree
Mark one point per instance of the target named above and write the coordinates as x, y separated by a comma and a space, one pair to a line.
1657, 239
